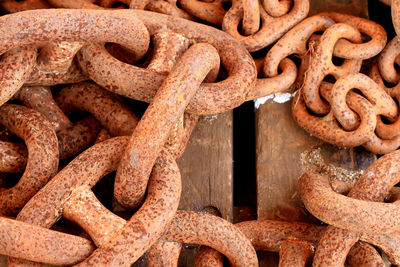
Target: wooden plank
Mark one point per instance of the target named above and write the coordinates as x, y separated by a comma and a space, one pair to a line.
353, 7
207, 172
284, 150
206, 166
280, 142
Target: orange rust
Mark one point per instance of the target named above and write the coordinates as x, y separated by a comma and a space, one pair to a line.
29, 242
168, 105
106, 107
210, 11
321, 65
72, 138
267, 235
363, 209
42, 162
211, 98
12, 6
295, 253
272, 28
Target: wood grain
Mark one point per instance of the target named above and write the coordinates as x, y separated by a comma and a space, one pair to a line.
280, 144
206, 166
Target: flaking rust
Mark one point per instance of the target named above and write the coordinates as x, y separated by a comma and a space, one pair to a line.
185, 69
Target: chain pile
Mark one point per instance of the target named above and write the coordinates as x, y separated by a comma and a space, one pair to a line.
366, 218
89, 55
335, 101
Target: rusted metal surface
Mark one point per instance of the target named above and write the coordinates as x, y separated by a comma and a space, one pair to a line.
107, 108
350, 121
366, 197
26, 241
72, 138
210, 11
42, 162
295, 253
267, 235
12, 6
395, 4
13, 157
57, 57
167, 106
73, 198
208, 99
164, 253
185, 69
272, 28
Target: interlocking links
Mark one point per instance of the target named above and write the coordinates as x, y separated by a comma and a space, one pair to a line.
364, 255
42, 162
107, 108
209, 230
186, 226
294, 42
70, 193
45, 208
327, 128
72, 138
164, 111
210, 98
339, 121
57, 57
251, 16
163, 253
127, 244
267, 235
16, 66
210, 11
13, 157
321, 65
362, 211
383, 104
30, 242
371, 132
272, 28
375, 32
274, 84
41, 99
168, 7
68, 25
168, 47
387, 61
277, 8
295, 253
364, 219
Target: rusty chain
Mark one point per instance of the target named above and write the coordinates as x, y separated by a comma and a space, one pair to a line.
363, 208
98, 52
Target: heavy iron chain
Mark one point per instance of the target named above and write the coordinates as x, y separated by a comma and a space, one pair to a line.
190, 70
